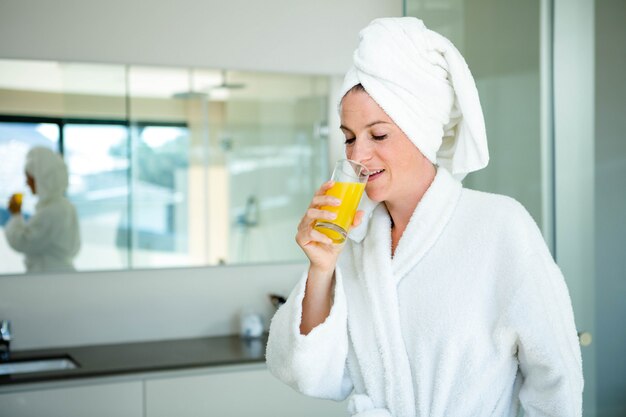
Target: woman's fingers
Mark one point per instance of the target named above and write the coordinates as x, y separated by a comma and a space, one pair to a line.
306, 232
358, 218
325, 187
313, 214
317, 236
306, 237
317, 214
320, 194
324, 200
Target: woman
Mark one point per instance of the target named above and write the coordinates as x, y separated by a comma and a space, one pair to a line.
444, 301
50, 239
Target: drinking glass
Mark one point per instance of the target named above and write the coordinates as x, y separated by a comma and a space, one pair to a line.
18, 197
350, 178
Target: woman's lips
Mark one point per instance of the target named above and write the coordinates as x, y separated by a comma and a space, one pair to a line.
373, 177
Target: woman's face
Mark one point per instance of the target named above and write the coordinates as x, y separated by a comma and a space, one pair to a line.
30, 181
375, 141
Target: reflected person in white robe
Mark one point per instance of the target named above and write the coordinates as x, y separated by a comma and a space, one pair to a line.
50, 239
444, 301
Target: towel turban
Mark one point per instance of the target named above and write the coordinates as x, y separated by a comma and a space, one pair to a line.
49, 171
424, 85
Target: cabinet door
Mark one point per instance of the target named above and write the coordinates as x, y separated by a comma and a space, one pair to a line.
247, 393
110, 400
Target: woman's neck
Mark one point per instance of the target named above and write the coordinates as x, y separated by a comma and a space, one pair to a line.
401, 210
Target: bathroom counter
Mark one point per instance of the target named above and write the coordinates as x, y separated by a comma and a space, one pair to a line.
142, 357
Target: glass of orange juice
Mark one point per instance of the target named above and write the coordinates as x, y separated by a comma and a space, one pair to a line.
18, 197
350, 178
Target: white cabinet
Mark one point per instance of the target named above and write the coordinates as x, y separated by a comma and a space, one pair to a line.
232, 393
228, 391
98, 400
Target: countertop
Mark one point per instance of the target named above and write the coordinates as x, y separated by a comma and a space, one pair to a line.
129, 358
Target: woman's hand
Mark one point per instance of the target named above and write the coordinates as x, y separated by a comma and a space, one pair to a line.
318, 247
15, 206
322, 254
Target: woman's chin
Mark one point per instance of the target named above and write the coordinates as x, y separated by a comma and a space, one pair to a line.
374, 196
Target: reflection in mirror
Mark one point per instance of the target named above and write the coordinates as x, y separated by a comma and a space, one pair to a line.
168, 167
49, 239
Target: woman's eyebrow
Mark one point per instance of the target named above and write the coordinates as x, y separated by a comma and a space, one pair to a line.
342, 127
375, 123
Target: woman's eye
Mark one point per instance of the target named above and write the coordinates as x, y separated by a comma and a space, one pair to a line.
349, 141
381, 137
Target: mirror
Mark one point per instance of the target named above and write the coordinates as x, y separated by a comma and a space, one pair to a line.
167, 167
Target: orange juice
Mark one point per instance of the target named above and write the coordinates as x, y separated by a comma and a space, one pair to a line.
350, 195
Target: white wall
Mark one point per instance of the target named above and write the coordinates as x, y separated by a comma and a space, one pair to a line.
112, 307
274, 35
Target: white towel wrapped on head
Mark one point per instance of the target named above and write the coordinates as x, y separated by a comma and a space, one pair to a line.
422, 82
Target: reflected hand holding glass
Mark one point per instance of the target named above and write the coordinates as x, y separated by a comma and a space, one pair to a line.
15, 203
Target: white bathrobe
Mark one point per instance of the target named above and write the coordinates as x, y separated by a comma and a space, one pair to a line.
50, 239
471, 317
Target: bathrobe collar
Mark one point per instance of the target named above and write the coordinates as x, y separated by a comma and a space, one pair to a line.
426, 224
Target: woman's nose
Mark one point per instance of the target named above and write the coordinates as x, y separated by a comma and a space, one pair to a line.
360, 151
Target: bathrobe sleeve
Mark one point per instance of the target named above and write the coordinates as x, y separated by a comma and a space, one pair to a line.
547, 344
32, 237
314, 364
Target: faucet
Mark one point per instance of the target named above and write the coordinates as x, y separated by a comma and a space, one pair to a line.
5, 339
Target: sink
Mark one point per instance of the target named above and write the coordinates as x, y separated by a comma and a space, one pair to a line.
22, 366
